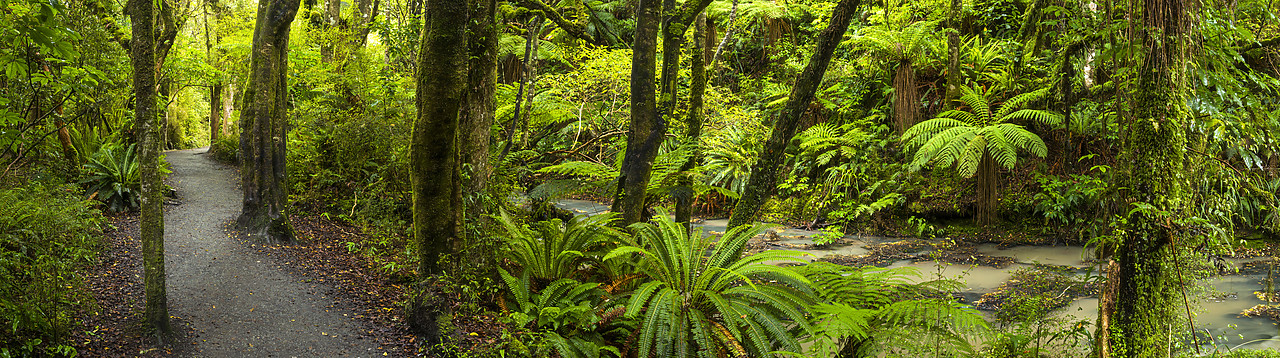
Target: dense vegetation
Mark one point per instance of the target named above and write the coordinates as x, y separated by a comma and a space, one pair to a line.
449, 131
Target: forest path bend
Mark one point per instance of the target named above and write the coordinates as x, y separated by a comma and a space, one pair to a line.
241, 303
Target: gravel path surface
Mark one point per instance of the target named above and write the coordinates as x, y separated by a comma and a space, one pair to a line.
241, 303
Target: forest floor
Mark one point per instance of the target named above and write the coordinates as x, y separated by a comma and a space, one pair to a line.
233, 297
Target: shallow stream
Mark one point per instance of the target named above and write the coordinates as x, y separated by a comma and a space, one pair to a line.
1218, 317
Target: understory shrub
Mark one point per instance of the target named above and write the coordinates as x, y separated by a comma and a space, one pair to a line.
47, 235
227, 148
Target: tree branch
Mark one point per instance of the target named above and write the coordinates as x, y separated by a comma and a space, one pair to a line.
554, 16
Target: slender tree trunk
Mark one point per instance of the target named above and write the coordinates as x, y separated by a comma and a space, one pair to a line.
434, 160
953, 49
215, 112
264, 125
478, 110
764, 174
1143, 309
526, 73
693, 120
142, 49
366, 11
647, 128
728, 34
332, 19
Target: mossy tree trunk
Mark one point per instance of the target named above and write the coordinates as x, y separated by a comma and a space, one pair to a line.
693, 120
647, 128
434, 154
142, 51
479, 106
264, 125
953, 51
764, 174
215, 91
434, 160
1139, 318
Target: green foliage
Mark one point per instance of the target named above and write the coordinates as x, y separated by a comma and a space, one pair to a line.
113, 176
872, 305
963, 137
47, 236
552, 250
565, 317
704, 298
829, 235
227, 148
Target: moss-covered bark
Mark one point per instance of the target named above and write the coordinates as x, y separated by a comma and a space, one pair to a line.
434, 154
647, 128
479, 105
764, 174
1140, 319
693, 120
264, 125
142, 51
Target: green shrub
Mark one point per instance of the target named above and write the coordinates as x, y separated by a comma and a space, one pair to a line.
226, 149
47, 234
113, 176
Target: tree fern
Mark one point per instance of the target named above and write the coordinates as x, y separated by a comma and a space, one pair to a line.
704, 297
962, 137
553, 249
861, 305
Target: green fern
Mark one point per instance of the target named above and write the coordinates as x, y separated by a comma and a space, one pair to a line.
867, 305
962, 137
704, 297
553, 249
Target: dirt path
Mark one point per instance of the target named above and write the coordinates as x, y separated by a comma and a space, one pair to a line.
241, 303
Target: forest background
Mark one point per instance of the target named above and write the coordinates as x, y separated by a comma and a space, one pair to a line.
1133, 128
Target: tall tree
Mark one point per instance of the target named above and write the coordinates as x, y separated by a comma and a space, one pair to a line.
764, 174
1137, 308
433, 157
693, 119
647, 127
264, 125
479, 105
142, 50
215, 91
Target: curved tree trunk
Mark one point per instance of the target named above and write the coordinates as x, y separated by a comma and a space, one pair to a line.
764, 174
647, 128
478, 109
1141, 319
142, 51
264, 125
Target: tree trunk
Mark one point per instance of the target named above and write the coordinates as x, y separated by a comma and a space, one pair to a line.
264, 125
142, 49
526, 73
906, 101
366, 11
478, 110
647, 128
987, 178
1143, 313
215, 113
693, 120
434, 161
764, 174
332, 18
434, 156
953, 49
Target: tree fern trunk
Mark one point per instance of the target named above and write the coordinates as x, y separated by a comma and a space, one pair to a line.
764, 174
986, 206
264, 125
906, 102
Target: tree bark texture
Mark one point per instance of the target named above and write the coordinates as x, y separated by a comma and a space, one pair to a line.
478, 108
1143, 312
264, 125
434, 154
906, 100
215, 112
693, 120
332, 21
526, 70
647, 127
142, 51
365, 12
674, 26
988, 173
953, 51
764, 174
